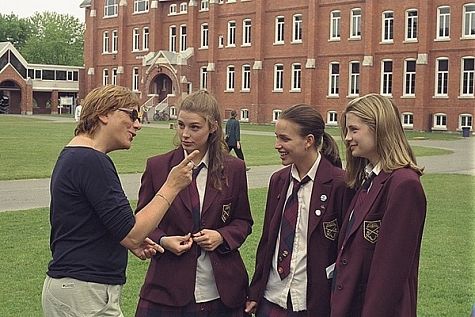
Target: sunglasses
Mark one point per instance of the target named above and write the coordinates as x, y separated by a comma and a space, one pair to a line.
133, 113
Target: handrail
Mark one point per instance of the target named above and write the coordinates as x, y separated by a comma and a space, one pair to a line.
162, 105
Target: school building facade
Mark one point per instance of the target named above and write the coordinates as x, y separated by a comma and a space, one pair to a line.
258, 57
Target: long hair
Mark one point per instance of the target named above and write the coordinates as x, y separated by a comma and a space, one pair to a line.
204, 104
99, 102
310, 121
382, 117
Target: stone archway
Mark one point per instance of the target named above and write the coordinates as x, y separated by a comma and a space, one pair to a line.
161, 85
10, 97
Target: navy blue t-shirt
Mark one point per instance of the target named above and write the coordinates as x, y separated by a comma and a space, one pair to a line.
90, 215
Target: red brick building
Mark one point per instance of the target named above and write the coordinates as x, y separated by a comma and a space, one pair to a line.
260, 56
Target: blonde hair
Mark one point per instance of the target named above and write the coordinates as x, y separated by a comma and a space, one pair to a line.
204, 104
382, 117
100, 101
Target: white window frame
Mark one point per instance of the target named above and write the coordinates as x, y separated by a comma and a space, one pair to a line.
204, 5
135, 79
230, 78
172, 40
279, 30
467, 80
172, 10
296, 80
173, 112
246, 77
411, 25
276, 114
437, 121
183, 7
468, 21
335, 25
246, 32
278, 78
204, 78
354, 79
409, 80
244, 115
115, 41
141, 6
105, 42
114, 76
204, 35
105, 76
297, 28
145, 39
183, 38
387, 27
231, 34
334, 79
442, 77
443, 23
407, 120
332, 118
135, 40
111, 8
387, 78
355, 24
463, 121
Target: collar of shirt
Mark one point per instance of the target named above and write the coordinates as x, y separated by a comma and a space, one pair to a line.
312, 173
370, 168
204, 160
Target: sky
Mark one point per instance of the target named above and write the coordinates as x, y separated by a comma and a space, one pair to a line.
26, 8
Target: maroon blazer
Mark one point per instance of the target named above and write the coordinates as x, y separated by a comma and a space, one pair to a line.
377, 264
170, 279
331, 197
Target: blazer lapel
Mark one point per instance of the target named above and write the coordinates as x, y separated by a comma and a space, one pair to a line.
210, 196
282, 183
320, 196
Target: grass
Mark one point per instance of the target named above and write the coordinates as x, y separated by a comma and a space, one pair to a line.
446, 273
31, 146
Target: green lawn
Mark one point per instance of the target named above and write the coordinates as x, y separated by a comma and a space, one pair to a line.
446, 269
30, 147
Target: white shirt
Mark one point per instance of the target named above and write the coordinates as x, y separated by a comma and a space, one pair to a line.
296, 282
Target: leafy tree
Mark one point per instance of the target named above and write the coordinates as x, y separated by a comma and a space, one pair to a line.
14, 29
56, 39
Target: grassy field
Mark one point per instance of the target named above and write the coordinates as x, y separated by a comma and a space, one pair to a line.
30, 147
446, 268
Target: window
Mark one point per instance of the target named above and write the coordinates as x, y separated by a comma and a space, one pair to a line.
135, 79
278, 77
407, 120
355, 26
220, 41
332, 118
204, 5
297, 28
183, 7
465, 121
469, 21
296, 77
172, 10
172, 39
183, 45
335, 17
136, 40
279, 30
386, 78
245, 115
111, 8
409, 88
230, 78
334, 81
140, 6
231, 33
442, 77
246, 77
246, 32
468, 72
173, 114
204, 35
105, 76
440, 121
411, 25
145, 38
443, 23
388, 25
204, 78
115, 41
354, 79
276, 115
114, 76
105, 42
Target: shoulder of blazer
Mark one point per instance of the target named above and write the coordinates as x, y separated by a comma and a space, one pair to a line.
327, 172
400, 175
170, 158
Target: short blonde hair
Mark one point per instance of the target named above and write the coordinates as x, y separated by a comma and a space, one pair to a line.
100, 101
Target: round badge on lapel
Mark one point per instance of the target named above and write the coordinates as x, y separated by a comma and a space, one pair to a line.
318, 212
323, 197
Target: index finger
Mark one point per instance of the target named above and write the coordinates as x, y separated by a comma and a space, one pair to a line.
189, 158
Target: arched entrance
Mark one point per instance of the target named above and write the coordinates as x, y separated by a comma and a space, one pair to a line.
10, 97
161, 86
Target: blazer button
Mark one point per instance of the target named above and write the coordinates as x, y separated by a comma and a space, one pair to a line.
339, 287
344, 261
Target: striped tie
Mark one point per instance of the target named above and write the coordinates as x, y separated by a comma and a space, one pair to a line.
195, 200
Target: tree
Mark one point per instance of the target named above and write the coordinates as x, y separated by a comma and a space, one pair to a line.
56, 39
14, 29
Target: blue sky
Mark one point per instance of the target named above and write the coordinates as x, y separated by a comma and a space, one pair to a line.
26, 8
